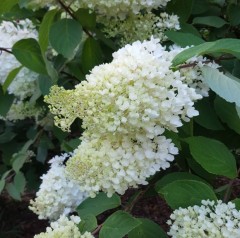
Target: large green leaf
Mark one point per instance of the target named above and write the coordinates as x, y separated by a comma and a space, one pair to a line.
65, 36
231, 46
88, 223
44, 84
188, 28
213, 21
28, 53
226, 87
6, 5
86, 17
7, 135
13, 191
20, 182
171, 177
98, 205
2, 185
44, 29
227, 113
184, 39
19, 160
147, 229
236, 201
207, 116
184, 193
181, 8
233, 14
6, 101
213, 156
11, 76
118, 225
91, 54
200, 6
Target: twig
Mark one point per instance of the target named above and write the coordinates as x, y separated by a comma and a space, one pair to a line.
6, 50
69, 11
230, 185
97, 229
129, 207
222, 57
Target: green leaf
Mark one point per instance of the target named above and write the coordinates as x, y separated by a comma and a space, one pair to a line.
11, 76
52, 72
88, 223
44, 83
28, 53
13, 192
7, 136
86, 18
171, 177
19, 160
230, 46
44, 29
184, 193
98, 205
200, 6
6, 5
213, 156
227, 113
207, 116
213, 21
71, 145
19, 182
181, 8
65, 36
183, 39
236, 201
6, 101
2, 185
42, 151
75, 70
108, 42
147, 229
6, 174
199, 170
233, 14
226, 87
91, 55
188, 28
118, 225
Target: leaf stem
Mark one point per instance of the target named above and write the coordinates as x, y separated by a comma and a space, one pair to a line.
138, 196
97, 229
5, 49
222, 57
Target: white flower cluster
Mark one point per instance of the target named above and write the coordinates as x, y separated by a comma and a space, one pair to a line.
213, 219
121, 8
25, 83
64, 228
21, 110
139, 27
125, 106
136, 91
57, 194
114, 163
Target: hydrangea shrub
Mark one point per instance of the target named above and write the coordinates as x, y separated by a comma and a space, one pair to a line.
104, 103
